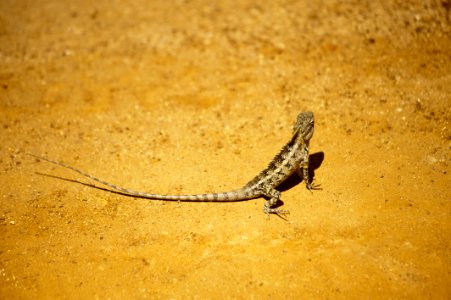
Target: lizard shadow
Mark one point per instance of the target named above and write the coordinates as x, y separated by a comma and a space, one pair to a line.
128, 195
83, 183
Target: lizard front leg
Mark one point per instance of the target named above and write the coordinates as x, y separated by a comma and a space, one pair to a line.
303, 172
274, 196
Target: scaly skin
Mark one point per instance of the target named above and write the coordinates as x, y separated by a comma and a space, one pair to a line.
294, 157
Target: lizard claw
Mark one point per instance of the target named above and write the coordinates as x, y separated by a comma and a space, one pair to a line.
311, 186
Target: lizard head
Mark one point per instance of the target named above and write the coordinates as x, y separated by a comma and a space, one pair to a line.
304, 125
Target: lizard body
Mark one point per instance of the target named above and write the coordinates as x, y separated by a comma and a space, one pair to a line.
294, 157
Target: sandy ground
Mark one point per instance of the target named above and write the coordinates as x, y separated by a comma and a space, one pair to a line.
194, 97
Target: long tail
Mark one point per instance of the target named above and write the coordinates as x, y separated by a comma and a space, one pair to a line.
235, 195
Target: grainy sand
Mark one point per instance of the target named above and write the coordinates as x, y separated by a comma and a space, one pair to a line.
194, 97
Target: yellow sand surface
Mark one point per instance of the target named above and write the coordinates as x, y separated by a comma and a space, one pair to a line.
197, 96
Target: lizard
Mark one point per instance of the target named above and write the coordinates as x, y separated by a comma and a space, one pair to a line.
294, 157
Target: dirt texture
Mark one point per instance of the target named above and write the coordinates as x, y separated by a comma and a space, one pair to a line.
198, 96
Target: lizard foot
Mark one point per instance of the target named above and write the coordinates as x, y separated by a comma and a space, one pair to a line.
277, 211
313, 187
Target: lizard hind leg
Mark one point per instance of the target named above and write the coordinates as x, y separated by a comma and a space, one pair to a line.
274, 196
